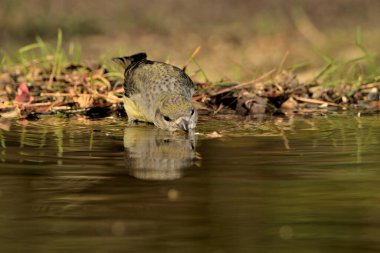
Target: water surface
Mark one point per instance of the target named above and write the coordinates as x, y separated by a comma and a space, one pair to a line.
277, 185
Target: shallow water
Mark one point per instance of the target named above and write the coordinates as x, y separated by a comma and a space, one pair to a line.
279, 185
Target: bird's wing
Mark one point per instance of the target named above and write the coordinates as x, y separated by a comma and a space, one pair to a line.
154, 77
130, 63
133, 111
136, 79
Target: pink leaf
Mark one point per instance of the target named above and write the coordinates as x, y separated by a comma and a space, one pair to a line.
23, 95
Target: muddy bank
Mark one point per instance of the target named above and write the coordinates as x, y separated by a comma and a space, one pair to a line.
93, 92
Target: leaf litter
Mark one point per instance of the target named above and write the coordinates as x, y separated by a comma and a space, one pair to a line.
50, 85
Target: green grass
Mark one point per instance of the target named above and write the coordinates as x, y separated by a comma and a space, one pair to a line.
43, 55
356, 71
52, 58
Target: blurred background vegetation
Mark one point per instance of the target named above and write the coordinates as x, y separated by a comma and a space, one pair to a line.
239, 38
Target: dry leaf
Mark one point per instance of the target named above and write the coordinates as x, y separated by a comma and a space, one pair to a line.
23, 95
84, 100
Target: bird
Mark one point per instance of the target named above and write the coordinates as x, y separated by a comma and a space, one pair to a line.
158, 93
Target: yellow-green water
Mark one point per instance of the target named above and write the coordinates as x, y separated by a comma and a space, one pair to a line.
279, 185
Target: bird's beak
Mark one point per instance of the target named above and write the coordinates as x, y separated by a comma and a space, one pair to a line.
184, 124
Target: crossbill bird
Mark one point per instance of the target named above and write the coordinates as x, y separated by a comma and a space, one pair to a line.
158, 93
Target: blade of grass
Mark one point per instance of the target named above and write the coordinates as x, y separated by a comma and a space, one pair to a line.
200, 70
370, 59
29, 47
58, 59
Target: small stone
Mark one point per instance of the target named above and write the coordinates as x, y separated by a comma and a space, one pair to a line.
290, 104
373, 95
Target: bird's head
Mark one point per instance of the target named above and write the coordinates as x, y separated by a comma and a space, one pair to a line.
175, 112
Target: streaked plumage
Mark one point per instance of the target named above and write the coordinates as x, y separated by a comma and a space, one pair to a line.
158, 92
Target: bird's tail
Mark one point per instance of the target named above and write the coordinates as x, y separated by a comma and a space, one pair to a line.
128, 60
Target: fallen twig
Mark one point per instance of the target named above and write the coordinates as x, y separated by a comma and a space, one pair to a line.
315, 101
243, 85
221, 106
55, 94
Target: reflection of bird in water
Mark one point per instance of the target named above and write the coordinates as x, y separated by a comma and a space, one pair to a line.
157, 92
156, 154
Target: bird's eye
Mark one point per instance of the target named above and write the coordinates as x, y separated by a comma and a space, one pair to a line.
167, 118
192, 111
